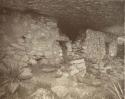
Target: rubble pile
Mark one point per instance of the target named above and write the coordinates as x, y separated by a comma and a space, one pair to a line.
75, 69
42, 94
67, 86
78, 68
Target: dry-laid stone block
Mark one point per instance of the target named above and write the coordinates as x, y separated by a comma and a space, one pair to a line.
94, 45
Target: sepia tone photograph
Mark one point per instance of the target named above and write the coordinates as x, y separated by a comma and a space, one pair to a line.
62, 49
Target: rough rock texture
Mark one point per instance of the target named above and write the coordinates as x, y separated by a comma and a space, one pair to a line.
42, 94
95, 45
98, 44
76, 70
78, 67
107, 16
28, 39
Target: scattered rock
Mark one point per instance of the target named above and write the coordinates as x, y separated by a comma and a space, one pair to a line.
42, 94
32, 61
74, 71
26, 73
60, 91
78, 68
81, 92
63, 81
25, 58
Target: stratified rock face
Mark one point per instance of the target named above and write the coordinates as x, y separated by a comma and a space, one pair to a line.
28, 39
101, 15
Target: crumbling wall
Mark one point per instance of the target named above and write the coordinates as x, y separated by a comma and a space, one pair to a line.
29, 39
95, 45
99, 44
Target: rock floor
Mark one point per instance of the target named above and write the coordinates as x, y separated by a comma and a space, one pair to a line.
91, 86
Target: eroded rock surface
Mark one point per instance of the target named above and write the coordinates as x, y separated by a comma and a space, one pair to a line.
95, 45
28, 39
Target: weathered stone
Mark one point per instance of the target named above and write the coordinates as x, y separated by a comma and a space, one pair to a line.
121, 40
95, 45
81, 92
74, 71
62, 86
60, 91
31, 39
32, 61
63, 81
43, 43
59, 72
77, 69
63, 37
78, 64
16, 46
44, 61
25, 58
42, 94
69, 47
78, 61
26, 73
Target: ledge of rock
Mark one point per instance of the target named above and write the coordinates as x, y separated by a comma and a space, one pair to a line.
106, 16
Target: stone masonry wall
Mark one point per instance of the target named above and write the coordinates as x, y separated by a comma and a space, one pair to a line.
28, 39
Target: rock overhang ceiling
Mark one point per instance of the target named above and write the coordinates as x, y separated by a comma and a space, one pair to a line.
74, 15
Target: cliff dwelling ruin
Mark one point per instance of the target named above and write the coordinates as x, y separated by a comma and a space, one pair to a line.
62, 49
